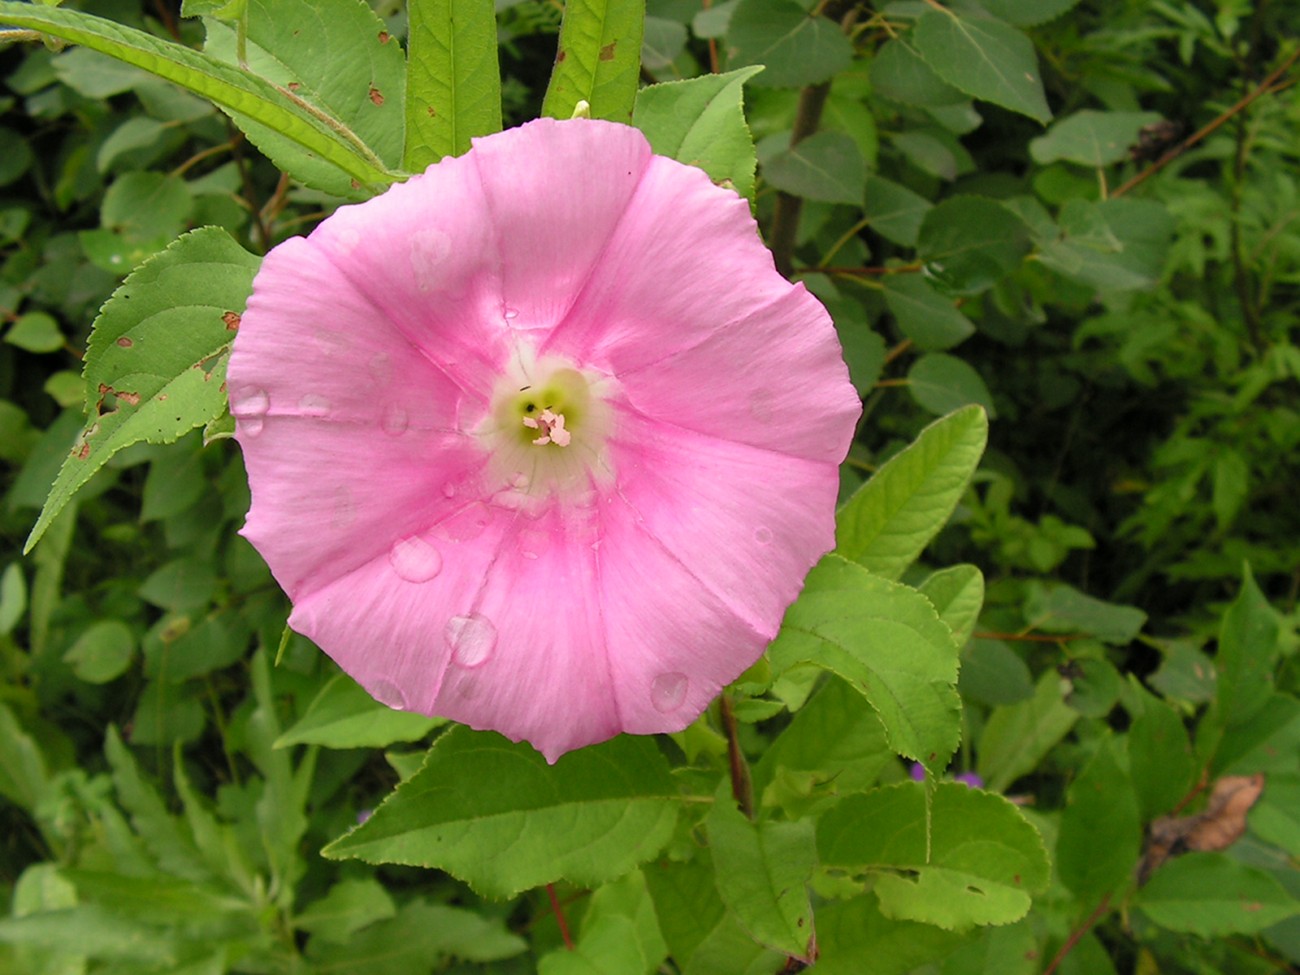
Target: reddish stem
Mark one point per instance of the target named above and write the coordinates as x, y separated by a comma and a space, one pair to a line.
1077, 934
559, 917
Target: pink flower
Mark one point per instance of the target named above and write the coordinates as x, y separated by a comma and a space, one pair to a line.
539, 440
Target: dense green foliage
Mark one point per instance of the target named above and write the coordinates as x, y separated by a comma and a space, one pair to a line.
1083, 217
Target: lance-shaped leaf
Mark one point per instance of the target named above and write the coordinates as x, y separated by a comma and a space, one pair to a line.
155, 366
887, 641
979, 864
598, 60
889, 520
337, 58
1211, 895
343, 715
494, 814
453, 80
762, 872
223, 84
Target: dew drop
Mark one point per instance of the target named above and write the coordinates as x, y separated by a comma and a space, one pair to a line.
386, 692
448, 489
251, 426
668, 691
471, 638
249, 407
313, 404
466, 524
510, 314
763, 535
415, 559
395, 421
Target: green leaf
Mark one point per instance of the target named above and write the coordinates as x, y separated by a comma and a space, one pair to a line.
687, 904
1058, 608
796, 47
35, 332
96, 933
1101, 829
599, 59
13, 593
985, 58
1211, 895
1247, 648
970, 243
886, 640
343, 715
894, 211
942, 384
928, 318
155, 365
350, 905
854, 938
834, 745
701, 122
1275, 818
497, 816
232, 89
992, 673
103, 652
958, 594
762, 870
620, 933
1116, 245
453, 80
1017, 736
1090, 138
898, 72
978, 864
24, 779
1027, 13
826, 166
888, 521
1159, 754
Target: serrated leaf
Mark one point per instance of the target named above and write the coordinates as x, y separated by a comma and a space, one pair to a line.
826, 166
1211, 895
888, 521
497, 816
762, 870
599, 59
898, 72
985, 58
1090, 138
978, 864
343, 715
957, 593
453, 79
854, 938
1101, 830
701, 122
970, 243
1027, 13
225, 85
1058, 608
928, 318
796, 47
886, 640
155, 366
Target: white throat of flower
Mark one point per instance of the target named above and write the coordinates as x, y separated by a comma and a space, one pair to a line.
546, 429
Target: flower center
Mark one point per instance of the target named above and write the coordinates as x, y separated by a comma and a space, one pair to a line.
546, 427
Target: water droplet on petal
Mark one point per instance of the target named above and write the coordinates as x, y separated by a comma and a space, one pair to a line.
471, 638
449, 490
313, 404
668, 691
763, 535
249, 407
466, 524
386, 692
415, 559
510, 314
395, 421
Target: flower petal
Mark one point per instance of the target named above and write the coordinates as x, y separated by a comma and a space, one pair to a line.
349, 434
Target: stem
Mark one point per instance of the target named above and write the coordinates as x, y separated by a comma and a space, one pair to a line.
1077, 934
742, 788
1264, 87
785, 219
559, 917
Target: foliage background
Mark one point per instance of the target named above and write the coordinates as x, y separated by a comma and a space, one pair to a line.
974, 193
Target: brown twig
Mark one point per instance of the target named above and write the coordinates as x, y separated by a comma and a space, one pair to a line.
742, 787
1077, 934
1263, 88
559, 917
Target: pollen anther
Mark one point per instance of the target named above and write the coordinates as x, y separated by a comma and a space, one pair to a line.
552, 429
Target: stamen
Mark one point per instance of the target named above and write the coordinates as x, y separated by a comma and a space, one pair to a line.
552, 427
